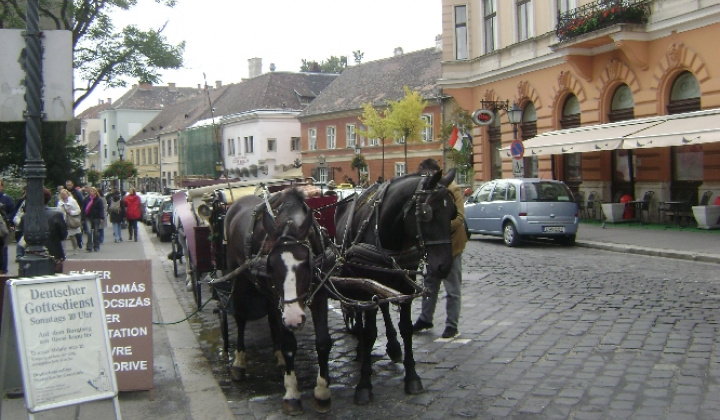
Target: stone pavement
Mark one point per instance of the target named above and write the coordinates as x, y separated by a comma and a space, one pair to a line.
503, 365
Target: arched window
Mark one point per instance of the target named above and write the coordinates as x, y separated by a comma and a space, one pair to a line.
622, 106
571, 113
684, 94
528, 129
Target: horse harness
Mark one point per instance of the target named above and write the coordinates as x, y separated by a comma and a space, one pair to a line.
375, 257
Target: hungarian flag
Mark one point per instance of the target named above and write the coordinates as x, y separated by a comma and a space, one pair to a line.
455, 141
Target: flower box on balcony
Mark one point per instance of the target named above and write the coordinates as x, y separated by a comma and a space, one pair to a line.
600, 14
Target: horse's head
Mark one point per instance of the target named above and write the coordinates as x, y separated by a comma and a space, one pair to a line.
434, 209
289, 257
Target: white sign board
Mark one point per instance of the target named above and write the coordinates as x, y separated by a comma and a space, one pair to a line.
62, 340
518, 168
57, 68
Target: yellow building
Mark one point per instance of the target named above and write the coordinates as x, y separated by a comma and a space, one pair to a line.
617, 97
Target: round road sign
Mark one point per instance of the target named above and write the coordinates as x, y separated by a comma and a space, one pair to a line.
517, 150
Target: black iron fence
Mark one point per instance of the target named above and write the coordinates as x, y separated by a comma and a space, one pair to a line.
601, 14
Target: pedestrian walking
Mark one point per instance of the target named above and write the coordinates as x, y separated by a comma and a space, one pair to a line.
79, 197
71, 210
57, 231
17, 223
116, 213
93, 209
453, 282
133, 212
7, 207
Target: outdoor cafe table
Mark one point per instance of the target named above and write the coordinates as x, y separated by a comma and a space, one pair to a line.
674, 207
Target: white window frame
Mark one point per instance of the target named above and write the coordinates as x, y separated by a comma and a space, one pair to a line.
461, 33
322, 174
312, 139
330, 137
350, 135
400, 168
249, 145
295, 144
491, 44
272, 145
426, 134
524, 20
375, 142
163, 151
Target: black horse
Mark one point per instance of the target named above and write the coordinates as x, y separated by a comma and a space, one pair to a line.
277, 241
386, 234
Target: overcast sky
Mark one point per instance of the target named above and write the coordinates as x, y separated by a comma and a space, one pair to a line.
221, 35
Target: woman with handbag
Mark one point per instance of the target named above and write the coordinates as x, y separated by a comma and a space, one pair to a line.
72, 213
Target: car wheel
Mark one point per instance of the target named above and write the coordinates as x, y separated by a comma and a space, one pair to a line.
565, 240
510, 235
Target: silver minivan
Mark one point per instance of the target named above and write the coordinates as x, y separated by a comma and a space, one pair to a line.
523, 207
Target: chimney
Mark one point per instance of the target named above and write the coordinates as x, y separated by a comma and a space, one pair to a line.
100, 101
398, 51
272, 66
438, 42
109, 101
172, 88
146, 86
218, 84
254, 67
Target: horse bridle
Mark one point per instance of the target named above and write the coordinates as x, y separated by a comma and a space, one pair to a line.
424, 214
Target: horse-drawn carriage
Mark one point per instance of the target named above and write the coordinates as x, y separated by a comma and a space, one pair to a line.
289, 247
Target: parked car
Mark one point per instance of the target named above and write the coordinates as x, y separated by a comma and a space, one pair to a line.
164, 226
151, 207
523, 208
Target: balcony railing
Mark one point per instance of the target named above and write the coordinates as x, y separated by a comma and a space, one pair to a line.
601, 14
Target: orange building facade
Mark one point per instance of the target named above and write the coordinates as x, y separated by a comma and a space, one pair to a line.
626, 107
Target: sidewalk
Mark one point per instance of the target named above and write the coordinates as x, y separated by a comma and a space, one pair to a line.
689, 243
185, 387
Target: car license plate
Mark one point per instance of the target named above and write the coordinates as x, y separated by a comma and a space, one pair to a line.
554, 229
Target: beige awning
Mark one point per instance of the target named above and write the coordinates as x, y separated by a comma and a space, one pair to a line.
591, 138
661, 131
678, 130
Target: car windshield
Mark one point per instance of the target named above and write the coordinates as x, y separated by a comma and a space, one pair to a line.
167, 206
545, 191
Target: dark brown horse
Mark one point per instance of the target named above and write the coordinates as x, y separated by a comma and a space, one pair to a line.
278, 240
387, 234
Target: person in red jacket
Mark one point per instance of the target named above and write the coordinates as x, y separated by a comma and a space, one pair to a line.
133, 212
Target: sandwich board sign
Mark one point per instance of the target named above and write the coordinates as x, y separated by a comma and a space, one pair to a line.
62, 341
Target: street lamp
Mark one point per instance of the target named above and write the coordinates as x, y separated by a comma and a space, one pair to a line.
121, 151
357, 152
514, 115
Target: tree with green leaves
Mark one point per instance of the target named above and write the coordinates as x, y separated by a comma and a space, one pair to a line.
93, 177
333, 64
62, 156
377, 127
358, 162
405, 117
120, 169
102, 53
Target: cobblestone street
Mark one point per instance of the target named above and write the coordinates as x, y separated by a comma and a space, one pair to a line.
546, 332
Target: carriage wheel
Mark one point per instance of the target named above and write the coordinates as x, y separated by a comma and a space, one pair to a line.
176, 249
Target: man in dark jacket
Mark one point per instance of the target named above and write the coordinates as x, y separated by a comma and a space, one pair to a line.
57, 229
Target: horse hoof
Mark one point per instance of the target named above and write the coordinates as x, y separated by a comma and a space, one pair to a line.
363, 396
237, 374
394, 351
414, 386
322, 406
292, 407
